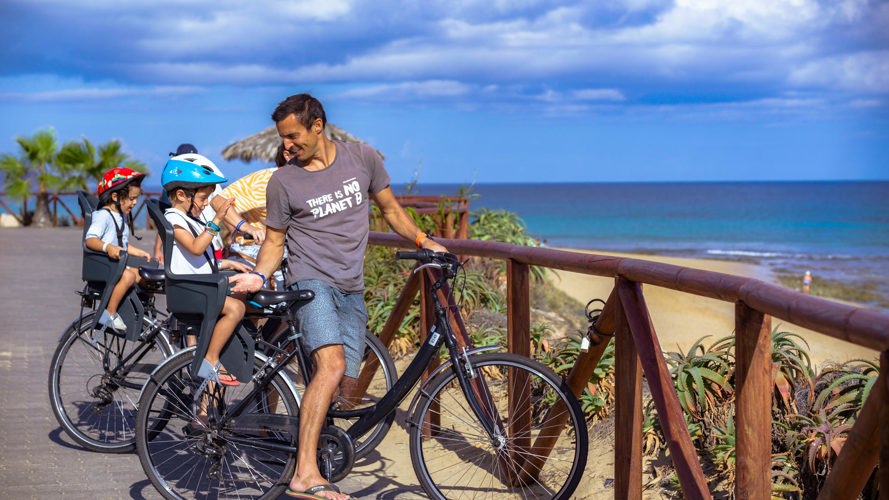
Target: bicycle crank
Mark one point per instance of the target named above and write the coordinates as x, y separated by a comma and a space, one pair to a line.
336, 453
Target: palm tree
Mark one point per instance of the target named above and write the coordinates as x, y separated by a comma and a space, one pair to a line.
78, 165
83, 164
34, 165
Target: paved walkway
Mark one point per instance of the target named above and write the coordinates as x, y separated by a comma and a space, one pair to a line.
39, 272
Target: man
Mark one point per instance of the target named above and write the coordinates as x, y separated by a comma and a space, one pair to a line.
318, 205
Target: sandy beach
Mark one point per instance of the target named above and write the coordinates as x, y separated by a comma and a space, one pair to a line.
680, 318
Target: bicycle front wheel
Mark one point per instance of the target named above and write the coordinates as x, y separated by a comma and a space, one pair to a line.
538, 447
94, 382
190, 446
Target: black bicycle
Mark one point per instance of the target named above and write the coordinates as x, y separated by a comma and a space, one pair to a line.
483, 424
96, 374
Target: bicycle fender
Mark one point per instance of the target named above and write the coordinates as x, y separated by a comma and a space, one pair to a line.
446, 366
74, 324
187, 350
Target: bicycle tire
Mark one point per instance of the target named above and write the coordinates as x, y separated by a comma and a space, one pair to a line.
96, 411
455, 458
179, 454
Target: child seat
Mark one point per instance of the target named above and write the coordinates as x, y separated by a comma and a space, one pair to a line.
101, 273
196, 300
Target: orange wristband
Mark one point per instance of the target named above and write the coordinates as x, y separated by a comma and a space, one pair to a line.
420, 239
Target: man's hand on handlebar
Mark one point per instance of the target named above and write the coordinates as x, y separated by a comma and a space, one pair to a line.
245, 283
430, 244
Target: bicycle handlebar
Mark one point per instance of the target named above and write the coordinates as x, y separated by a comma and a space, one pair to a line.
442, 260
424, 255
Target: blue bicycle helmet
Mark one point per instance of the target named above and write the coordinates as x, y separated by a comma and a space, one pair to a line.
190, 171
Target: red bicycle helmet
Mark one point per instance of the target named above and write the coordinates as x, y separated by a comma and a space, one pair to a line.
117, 179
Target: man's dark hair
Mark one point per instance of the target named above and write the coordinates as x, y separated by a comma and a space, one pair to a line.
306, 108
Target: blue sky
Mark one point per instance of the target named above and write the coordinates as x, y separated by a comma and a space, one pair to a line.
468, 91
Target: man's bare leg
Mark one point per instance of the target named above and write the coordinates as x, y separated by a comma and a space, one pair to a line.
330, 365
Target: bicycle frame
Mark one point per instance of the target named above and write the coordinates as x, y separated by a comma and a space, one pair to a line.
440, 333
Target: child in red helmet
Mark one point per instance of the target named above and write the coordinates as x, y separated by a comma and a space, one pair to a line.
118, 191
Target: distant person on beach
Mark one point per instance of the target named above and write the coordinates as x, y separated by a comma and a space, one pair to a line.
318, 206
807, 281
119, 190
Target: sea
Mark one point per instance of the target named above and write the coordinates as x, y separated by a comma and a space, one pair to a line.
837, 230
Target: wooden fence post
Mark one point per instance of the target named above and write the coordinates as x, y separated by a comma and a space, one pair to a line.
884, 427
861, 451
682, 450
627, 412
753, 402
518, 308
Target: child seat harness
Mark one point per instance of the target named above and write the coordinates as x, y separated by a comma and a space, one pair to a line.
211, 260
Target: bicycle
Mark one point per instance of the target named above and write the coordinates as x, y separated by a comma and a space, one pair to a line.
482, 422
96, 373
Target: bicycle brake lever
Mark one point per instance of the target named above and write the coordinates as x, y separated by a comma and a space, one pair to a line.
428, 264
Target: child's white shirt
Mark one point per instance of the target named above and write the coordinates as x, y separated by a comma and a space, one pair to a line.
103, 227
182, 261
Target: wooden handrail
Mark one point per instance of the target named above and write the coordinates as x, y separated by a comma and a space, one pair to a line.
857, 325
638, 350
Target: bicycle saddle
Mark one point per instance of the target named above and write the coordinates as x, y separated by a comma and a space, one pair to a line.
152, 273
268, 298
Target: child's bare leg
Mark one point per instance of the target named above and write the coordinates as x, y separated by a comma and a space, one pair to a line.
231, 315
127, 280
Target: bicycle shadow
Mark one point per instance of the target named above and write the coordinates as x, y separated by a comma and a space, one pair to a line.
138, 488
55, 436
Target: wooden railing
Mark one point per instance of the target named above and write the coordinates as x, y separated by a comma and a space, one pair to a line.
638, 352
56, 201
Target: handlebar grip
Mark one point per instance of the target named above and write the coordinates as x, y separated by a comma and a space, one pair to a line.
422, 254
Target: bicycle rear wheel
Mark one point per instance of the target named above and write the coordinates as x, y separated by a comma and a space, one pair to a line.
186, 453
454, 457
93, 398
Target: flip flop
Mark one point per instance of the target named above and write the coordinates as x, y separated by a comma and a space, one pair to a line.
309, 494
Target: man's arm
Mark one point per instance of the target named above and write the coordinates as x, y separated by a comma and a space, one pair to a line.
400, 221
267, 262
233, 217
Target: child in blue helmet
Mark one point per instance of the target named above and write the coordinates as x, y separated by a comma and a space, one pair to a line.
189, 185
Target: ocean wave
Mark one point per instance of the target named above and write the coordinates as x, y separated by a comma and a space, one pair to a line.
748, 253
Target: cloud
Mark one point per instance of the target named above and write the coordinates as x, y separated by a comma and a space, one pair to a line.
49, 88
864, 72
95, 93
570, 52
410, 90
598, 95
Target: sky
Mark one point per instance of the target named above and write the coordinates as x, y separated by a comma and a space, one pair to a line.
471, 91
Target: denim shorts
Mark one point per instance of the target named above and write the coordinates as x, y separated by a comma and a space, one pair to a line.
333, 317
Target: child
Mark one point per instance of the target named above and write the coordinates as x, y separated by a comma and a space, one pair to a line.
118, 192
189, 185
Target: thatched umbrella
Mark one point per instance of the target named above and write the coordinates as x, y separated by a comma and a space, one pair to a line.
264, 145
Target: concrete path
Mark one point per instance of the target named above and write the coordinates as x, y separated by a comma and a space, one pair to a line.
39, 273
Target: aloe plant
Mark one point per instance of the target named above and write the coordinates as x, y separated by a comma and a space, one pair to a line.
791, 365
847, 384
700, 377
784, 477
724, 450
